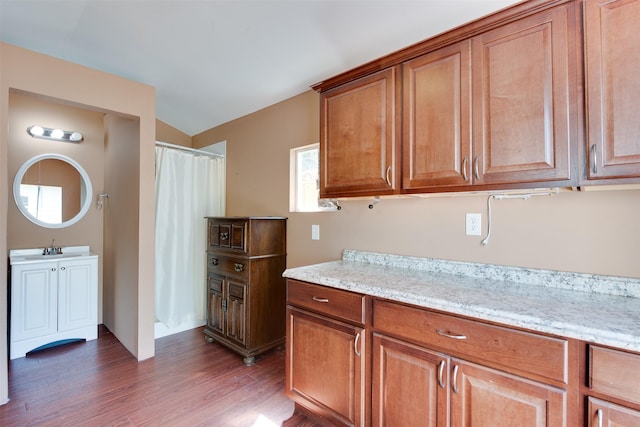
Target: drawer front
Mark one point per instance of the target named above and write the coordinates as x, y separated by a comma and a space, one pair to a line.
615, 373
321, 299
228, 234
228, 266
516, 351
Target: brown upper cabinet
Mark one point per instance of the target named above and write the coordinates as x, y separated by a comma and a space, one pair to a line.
359, 143
490, 105
612, 61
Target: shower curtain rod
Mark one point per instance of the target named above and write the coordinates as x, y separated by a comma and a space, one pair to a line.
191, 150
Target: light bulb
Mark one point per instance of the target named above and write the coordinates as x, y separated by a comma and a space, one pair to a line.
75, 137
57, 134
36, 131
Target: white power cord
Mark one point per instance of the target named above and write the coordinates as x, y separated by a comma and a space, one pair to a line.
522, 196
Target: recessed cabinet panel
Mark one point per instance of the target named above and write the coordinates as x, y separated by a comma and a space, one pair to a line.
484, 397
436, 118
410, 385
323, 368
34, 295
612, 61
521, 102
358, 140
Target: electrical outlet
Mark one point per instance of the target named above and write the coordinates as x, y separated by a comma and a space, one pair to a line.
474, 224
315, 232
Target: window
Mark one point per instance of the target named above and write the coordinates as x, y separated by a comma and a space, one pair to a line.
43, 202
304, 192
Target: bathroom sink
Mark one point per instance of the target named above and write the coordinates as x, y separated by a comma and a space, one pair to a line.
56, 256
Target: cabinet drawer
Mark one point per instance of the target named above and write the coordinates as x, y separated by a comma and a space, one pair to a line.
333, 302
615, 373
226, 266
227, 234
515, 351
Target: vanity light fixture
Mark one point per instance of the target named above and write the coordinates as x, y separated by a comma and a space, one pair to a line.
55, 134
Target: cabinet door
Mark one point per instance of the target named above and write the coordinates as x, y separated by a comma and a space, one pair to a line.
606, 414
482, 397
524, 79
612, 56
359, 136
325, 366
436, 119
215, 309
410, 385
236, 311
34, 300
77, 294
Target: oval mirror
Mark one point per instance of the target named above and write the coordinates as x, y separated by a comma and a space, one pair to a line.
52, 190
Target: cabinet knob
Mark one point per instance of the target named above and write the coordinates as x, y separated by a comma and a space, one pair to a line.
213, 261
238, 267
224, 236
63, 268
53, 269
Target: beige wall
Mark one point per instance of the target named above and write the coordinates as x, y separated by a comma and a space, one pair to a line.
171, 135
590, 232
25, 71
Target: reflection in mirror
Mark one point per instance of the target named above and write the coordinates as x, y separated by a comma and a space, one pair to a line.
52, 190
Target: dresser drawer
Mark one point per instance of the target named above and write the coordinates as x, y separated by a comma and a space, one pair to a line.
615, 373
228, 266
516, 351
321, 299
228, 233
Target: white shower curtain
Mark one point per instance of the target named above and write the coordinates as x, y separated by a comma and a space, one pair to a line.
188, 188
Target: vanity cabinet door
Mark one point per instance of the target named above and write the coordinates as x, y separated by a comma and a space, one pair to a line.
77, 294
34, 300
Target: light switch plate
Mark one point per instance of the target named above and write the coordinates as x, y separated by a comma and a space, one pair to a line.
315, 232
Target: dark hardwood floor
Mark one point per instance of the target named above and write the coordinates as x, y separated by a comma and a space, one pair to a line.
188, 383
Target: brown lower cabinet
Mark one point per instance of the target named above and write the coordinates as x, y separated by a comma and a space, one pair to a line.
613, 394
359, 360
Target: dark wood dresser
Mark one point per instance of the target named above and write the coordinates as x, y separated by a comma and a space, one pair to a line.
246, 257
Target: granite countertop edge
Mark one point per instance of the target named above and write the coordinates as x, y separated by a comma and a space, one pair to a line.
598, 309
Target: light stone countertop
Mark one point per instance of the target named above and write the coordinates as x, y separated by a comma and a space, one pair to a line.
598, 309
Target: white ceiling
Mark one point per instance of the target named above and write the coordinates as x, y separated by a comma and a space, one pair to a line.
212, 61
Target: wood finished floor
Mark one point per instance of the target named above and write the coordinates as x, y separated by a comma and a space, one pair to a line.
188, 383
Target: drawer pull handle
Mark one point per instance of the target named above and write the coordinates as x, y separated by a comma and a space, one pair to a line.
238, 267
600, 417
213, 261
441, 373
224, 236
594, 159
454, 381
387, 176
355, 344
450, 335
316, 299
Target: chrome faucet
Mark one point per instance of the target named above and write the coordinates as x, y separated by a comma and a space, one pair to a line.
53, 250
